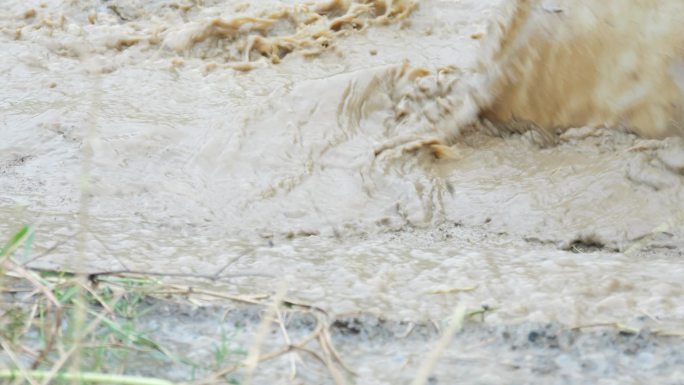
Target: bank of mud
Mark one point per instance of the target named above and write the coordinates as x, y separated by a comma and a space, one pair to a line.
316, 150
382, 351
178, 339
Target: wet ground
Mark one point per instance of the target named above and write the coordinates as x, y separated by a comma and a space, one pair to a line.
150, 137
382, 351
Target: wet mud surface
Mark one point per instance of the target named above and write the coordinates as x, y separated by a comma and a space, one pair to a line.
381, 351
339, 152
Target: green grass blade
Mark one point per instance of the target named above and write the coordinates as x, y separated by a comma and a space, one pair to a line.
85, 377
15, 241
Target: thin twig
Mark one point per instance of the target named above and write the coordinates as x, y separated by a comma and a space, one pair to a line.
230, 263
620, 327
334, 372
94, 275
52, 248
97, 298
335, 354
669, 333
29, 319
288, 341
14, 359
177, 289
111, 252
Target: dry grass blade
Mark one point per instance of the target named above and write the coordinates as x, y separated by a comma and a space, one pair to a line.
300, 346
58, 365
331, 348
65, 356
49, 250
428, 365
29, 319
97, 297
327, 359
620, 327
311, 353
669, 333
52, 301
288, 341
252, 360
186, 290
407, 332
452, 290
98, 274
13, 357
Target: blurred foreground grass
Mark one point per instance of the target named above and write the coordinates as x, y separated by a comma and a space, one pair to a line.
60, 327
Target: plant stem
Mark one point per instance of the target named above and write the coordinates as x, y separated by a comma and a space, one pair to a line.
88, 377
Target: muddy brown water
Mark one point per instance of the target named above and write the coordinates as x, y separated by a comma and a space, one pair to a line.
147, 136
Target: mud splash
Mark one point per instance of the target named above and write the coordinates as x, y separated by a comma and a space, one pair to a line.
239, 36
552, 66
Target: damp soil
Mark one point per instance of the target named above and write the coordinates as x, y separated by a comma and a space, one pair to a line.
335, 152
385, 351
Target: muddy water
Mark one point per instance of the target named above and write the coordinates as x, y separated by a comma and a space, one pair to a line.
166, 137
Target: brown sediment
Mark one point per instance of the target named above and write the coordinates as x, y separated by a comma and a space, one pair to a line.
349, 21
124, 42
182, 6
53, 23
242, 67
311, 32
418, 73
220, 28
266, 33
333, 7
